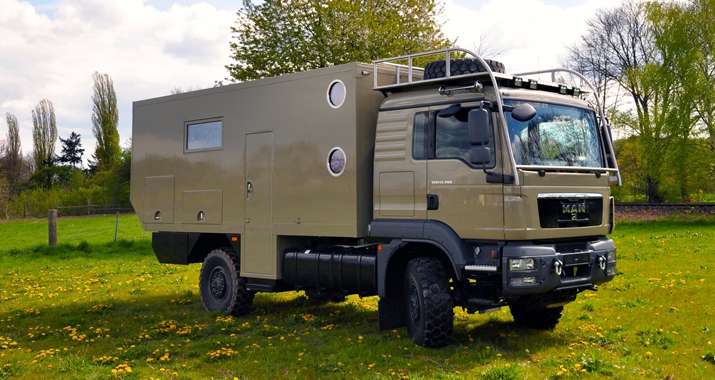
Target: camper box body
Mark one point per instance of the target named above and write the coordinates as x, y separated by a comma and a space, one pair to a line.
262, 167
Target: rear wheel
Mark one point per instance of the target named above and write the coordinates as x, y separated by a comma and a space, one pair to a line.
429, 305
221, 286
531, 317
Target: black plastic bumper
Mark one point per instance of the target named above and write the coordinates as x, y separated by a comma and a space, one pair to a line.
557, 266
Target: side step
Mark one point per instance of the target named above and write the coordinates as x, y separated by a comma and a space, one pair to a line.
481, 268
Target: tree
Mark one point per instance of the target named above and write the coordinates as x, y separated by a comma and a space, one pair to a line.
105, 118
686, 31
71, 150
620, 48
284, 36
12, 158
44, 134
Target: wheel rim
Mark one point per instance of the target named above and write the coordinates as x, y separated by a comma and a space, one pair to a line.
218, 284
415, 311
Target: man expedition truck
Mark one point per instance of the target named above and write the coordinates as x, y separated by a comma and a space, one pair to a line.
452, 185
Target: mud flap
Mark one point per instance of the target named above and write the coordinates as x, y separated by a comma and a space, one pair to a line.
391, 313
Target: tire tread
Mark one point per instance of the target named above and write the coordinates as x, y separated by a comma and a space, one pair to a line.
438, 303
460, 66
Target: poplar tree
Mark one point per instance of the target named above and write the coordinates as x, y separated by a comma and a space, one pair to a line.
44, 134
12, 160
105, 118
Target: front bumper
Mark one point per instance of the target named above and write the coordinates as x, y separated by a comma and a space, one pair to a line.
553, 267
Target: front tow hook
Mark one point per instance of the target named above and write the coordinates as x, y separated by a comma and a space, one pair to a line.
558, 267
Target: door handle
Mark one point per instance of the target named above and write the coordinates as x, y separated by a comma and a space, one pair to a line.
249, 190
432, 201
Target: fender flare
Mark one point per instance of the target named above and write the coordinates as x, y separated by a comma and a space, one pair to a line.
431, 232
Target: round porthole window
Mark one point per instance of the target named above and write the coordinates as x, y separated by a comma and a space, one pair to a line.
336, 161
336, 93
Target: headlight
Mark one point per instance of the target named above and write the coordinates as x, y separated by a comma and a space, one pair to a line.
521, 264
612, 255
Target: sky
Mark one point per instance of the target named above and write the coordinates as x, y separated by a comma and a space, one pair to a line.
49, 49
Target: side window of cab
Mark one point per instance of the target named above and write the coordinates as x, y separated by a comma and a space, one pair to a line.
444, 135
452, 136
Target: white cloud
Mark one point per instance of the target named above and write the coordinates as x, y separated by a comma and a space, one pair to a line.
51, 50
534, 35
147, 52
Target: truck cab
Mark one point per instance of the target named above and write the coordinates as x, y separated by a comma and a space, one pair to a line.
513, 173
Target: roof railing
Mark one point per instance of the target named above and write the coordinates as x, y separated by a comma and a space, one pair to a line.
415, 73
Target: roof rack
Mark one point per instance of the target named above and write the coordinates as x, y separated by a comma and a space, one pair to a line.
415, 74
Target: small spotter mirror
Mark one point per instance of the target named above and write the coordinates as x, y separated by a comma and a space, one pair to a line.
523, 112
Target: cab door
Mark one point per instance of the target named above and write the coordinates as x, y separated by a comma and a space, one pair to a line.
459, 193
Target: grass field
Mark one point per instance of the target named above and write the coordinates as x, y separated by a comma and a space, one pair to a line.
91, 308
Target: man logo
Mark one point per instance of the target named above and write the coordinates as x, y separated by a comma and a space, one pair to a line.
574, 209
567, 208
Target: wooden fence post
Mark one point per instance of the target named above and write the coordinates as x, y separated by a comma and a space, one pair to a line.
52, 226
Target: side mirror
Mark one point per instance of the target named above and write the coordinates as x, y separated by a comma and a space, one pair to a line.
523, 112
480, 126
480, 156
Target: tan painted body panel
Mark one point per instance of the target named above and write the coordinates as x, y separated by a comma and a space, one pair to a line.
470, 206
521, 208
205, 191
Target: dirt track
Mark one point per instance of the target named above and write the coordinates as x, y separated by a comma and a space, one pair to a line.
645, 211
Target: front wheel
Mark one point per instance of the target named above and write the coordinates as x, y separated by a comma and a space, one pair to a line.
429, 304
221, 286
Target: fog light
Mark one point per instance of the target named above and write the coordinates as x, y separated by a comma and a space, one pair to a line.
521, 264
612, 255
523, 281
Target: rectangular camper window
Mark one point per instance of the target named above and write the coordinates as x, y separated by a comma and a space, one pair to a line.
204, 135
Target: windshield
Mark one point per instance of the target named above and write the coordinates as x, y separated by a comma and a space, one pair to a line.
556, 136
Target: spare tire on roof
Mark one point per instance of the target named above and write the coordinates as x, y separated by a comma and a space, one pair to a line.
460, 66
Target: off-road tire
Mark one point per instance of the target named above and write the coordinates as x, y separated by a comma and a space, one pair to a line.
220, 285
429, 309
324, 296
460, 66
539, 318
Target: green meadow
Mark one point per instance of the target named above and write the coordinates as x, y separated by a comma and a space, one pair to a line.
95, 309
